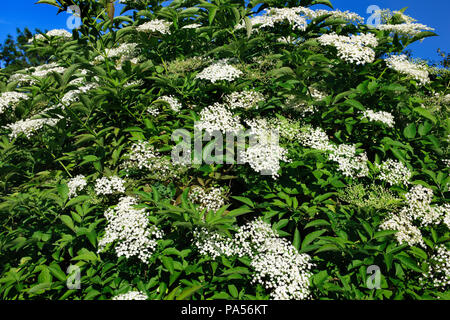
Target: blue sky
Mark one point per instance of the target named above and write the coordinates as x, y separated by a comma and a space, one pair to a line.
434, 13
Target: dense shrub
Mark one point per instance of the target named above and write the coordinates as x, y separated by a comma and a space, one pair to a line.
359, 176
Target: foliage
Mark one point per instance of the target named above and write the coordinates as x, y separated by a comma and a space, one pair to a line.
110, 95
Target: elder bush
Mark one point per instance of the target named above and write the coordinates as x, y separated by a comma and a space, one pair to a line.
358, 177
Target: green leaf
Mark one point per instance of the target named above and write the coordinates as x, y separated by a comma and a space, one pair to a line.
408, 262
77, 200
311, 237
296, 241
426, 114
410, 131
68, 222
186, 293
233, 290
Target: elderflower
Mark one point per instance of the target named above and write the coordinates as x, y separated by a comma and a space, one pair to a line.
76, 184
125, 51
354, 49
11, 100
129, 229
153, 110
29, 127
143, 157
244, 99
192, 26
175, 105
218, 118
219, 70
349, 163
209, 201
337, 14
156, 25
419, 207
265, 155
131, 295
314, 138
105, 185
276, 264
406, 231
401, 64
73, 95
273, 16
381, 116
405, 29
439, 269
57, 33
394, 172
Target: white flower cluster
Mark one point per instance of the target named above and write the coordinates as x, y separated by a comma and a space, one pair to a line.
274, 16
59, 33
406, 231
382, 116
105, 185
264, 153
143, 156
126, 51
44, 70
277, 264
439, 271
405, 29
401, 64
211, 201
175, 105
354, 49
394, 172
76, 184
315, 138
349, 162
219, 70
317, 94
418, 208
73, 95
447, 219
247, 99
11, 100
131, 295
153, 110
156, 25
24, 75
218, 117
29, 127
130, 230
265, 158
192, 26
136, 83
337, 14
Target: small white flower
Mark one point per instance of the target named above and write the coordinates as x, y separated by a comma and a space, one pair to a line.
105, 185
394, 172
11, 100
381, 116
219, 70
76, 184
132, 295
129, 230
354, 49
402, 65
156, 25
